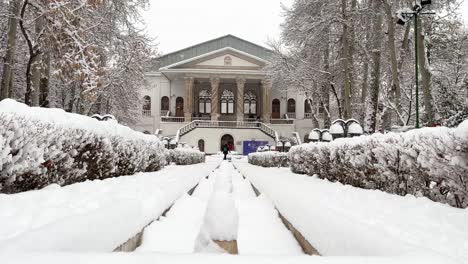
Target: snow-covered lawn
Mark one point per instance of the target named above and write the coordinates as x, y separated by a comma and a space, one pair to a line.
342, 220
94, 215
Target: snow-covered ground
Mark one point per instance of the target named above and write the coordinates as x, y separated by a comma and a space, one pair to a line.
342, 220
94, 215
124, 258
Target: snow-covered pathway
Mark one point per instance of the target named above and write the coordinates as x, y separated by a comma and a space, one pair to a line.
223, 209
342, 220
93, 215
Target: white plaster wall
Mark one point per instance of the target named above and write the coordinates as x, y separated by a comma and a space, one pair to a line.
212, 138
283, 130
170, 129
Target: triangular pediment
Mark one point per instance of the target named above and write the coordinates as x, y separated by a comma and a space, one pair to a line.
226, 58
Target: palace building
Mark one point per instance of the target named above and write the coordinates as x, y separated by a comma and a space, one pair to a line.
217, 93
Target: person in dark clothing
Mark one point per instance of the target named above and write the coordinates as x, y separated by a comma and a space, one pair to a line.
225, 150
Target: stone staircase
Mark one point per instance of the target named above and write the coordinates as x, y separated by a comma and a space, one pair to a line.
226, 124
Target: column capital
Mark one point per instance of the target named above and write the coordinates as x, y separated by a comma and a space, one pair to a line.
189, 80
215, 81
241, 81
267, 82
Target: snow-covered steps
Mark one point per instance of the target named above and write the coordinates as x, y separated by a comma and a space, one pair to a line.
178, 230
261, 231
342, 220
152, 258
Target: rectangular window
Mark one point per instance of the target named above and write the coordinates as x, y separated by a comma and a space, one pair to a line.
201, 107
253, 108
223, 107
208, 107
231, 107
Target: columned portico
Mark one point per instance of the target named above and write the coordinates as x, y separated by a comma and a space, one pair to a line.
240, 98
215, 98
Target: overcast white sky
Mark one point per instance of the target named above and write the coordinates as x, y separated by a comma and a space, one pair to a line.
178, 24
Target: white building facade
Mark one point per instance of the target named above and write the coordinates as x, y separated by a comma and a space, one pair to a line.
217, 93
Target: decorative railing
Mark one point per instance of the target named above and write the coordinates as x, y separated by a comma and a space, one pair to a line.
308, 115
147, 113
226, 124
291, 115
172, 119
202, 118
282, 121
298, 138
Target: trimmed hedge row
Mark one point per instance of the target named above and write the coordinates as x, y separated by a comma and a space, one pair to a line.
186, 156
430, 162
35, 153
269, 159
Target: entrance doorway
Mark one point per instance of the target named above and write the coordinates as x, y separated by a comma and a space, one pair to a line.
201, 145
275, 109
229, 141
180, 107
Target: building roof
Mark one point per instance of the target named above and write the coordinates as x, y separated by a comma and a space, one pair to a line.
213, 45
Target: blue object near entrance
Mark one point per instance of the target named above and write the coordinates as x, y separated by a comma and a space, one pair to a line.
251, 146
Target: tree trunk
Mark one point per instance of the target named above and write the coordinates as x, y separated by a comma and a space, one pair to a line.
365, 78
395, 91
44, 86
326, 86
36, 72
375, 75
6, 85
346, 60
33, 53
426, 75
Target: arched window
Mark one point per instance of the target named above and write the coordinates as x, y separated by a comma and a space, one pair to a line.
179, 107
291, 106
201, 145
227, 102
307, 108
147, 106
276, 109
250, 103
165, 103
204, 102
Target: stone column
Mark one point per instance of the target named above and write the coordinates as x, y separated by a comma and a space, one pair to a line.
215, 99
266, 97
188, 100
240, 99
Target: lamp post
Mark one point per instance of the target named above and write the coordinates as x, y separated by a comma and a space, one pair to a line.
403, 17
348, 128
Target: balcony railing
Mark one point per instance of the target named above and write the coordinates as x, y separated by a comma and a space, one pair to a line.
172, 119
308, 115
291, 115
282, 121
147, 113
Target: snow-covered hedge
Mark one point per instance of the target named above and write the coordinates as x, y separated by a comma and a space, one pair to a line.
269, 159
186, 156
39, 147
430, 162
